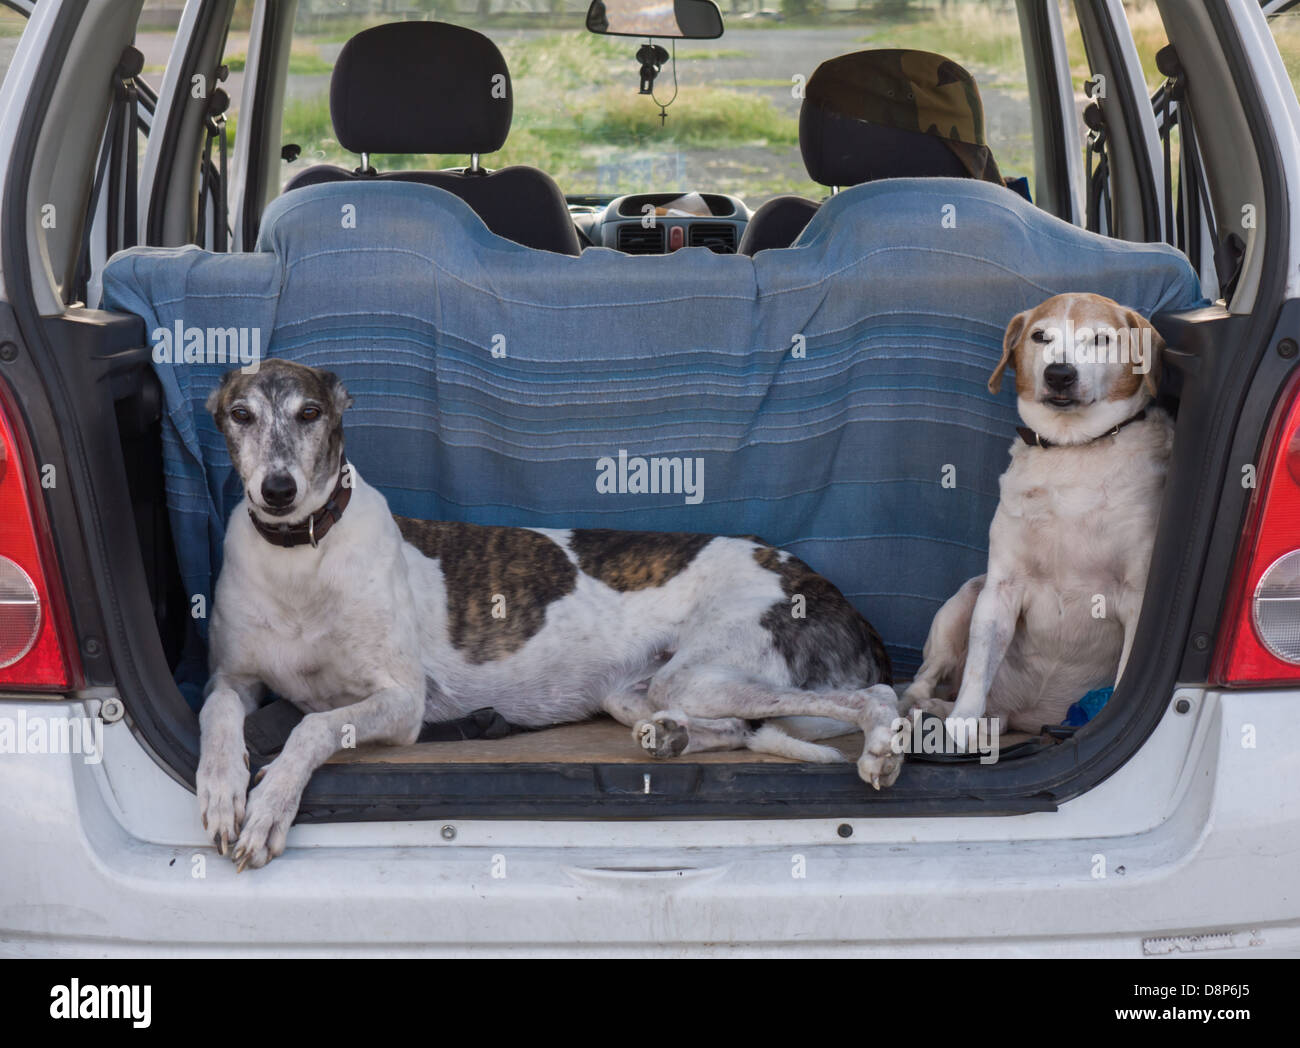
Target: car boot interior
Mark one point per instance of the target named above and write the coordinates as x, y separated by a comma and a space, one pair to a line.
826, 362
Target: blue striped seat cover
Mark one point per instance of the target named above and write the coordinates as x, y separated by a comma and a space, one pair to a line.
833, 391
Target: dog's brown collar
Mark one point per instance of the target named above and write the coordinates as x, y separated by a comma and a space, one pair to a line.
1035, 440
315, 527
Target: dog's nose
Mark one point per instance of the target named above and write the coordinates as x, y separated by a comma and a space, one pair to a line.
278, 490
1060, 377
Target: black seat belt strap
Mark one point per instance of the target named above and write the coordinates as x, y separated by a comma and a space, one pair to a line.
119, 135
1229, 250
1098, 177
212, 181
123, 163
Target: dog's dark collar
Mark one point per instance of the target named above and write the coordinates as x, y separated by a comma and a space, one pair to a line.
315, 527
1035, 440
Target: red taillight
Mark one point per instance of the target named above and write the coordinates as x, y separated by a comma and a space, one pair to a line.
33, 618
1260, 643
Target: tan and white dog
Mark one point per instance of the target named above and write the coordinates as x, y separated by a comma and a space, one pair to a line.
1070, 543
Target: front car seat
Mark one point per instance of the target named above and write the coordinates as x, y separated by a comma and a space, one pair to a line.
432, 87
879, 114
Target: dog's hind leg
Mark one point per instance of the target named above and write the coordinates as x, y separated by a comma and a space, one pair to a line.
391, 716
772, 738
944, 655
721, 691
675, 733
797, 736
672, 733
992, 629
1128, 611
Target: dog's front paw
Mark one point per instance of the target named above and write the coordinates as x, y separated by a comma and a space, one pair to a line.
271, 808
663, 735
222, 787
963, 732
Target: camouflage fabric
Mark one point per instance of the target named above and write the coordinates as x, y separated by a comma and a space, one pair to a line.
910, 91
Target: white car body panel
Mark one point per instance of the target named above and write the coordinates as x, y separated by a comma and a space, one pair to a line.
1190, 847
1194, 837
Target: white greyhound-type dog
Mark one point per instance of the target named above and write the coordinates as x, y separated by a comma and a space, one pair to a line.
374, 625
1070, 542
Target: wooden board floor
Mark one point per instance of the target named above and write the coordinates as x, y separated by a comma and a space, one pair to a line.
598, 741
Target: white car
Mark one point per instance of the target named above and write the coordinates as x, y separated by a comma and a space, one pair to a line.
1167, 825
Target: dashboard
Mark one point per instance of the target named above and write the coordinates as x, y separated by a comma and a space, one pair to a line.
660, 223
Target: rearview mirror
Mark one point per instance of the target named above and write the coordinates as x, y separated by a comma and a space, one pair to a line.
669, 19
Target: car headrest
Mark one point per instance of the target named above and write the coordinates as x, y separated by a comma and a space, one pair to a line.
421, 87
893, 114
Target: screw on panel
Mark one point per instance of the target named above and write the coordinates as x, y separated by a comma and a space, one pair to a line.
1182, 706
449, 833
111, 710
8, 352
845, 830
1287, 348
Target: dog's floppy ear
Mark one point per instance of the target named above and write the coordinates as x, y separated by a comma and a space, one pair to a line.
217, 399
1009, 342
334, 385
1136, 324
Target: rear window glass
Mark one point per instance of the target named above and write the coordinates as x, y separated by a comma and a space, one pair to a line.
11, 28
1149, 37
1286, 31
733, 126
155, 34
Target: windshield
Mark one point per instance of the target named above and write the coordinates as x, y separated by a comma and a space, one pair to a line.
729, 124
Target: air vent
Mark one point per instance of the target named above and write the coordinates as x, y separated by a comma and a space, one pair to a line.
635, 239
716, 236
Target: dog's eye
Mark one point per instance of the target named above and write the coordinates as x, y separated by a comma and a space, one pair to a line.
241, 415
1040, 336
309, 414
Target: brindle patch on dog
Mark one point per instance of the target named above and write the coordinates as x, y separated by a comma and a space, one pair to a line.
635, 560
832, 645
481, 563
